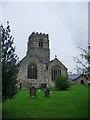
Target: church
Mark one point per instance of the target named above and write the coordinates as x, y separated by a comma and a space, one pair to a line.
36, 69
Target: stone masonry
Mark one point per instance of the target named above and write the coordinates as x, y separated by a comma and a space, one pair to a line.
38, 55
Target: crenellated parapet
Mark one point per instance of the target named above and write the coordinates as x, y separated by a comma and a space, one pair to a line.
39, 35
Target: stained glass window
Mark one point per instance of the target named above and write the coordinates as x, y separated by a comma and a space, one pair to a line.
55, 71
32, 71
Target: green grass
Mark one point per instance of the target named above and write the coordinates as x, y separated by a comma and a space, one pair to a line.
61, 104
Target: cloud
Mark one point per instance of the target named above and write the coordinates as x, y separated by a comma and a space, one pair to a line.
76, 20
66, 24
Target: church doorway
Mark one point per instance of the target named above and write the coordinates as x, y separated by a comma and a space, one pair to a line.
82, 81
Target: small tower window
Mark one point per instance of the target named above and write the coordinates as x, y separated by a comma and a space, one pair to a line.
41, 44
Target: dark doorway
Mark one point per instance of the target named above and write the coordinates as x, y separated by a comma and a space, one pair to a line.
82, 81
43, 85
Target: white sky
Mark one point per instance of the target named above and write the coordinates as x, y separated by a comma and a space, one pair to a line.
65, 22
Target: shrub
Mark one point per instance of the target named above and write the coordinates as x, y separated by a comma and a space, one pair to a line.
61, 82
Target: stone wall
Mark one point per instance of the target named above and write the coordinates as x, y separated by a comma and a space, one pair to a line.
40, 54
78, 80
41, 71
53, 63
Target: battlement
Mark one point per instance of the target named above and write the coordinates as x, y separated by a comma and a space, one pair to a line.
41, 35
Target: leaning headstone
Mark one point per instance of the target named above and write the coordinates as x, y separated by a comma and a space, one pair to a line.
47, 92
32, 92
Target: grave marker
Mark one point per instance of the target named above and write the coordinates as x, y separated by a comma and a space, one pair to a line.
32, 92
47, 92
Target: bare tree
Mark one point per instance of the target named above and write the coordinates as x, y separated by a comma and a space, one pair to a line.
83, 62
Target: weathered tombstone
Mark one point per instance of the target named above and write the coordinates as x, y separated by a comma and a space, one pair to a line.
32, 92
47, 92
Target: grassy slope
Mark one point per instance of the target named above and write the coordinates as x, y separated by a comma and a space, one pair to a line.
61, 104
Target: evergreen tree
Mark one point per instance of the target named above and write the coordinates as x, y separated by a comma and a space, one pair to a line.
10, 67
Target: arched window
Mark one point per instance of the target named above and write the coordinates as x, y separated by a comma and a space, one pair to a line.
55, 71
32, 71
41, 44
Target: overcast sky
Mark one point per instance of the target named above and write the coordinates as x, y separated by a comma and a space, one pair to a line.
65, 22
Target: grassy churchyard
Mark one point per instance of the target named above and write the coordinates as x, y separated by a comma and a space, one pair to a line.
72, 103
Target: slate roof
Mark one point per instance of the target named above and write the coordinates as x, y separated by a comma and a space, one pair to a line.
53, 61
75, 76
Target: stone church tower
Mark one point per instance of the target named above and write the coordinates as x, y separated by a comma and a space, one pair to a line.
38, 46
36, 68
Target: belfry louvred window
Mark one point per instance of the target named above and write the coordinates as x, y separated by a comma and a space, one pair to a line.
32, 71
41, 44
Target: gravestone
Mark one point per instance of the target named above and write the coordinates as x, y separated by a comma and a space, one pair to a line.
47, 92
32, 92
